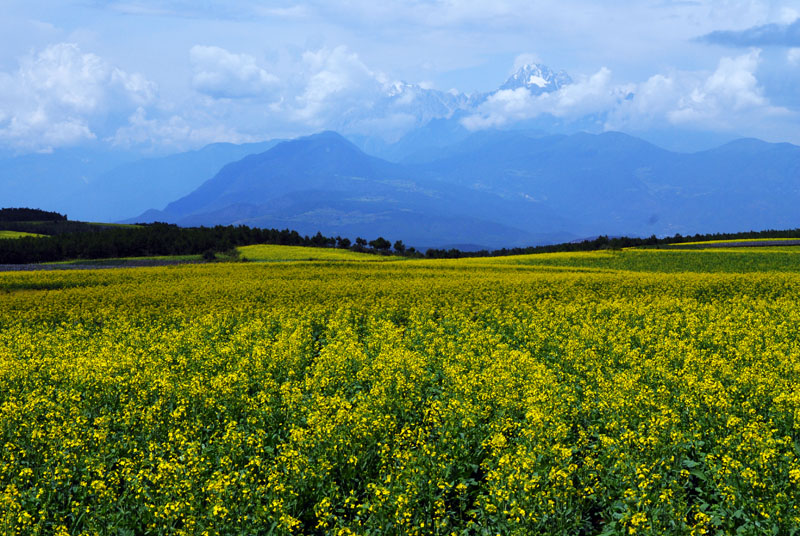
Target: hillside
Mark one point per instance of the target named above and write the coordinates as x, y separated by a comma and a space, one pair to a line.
324, 182
502, 189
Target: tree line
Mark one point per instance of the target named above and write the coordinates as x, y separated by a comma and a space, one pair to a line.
79, 240
157, 239
606, 242
29, 214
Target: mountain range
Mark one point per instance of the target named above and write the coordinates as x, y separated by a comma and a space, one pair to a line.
438, 185
98, 182
500, 188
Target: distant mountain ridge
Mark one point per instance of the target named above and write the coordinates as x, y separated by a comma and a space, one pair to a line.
326, 182
135, 186
502, 189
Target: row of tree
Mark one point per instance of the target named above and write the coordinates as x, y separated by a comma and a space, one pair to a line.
167, 239
29, 214
619, 242
79, 240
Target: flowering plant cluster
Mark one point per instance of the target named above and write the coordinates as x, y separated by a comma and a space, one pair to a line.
408, 397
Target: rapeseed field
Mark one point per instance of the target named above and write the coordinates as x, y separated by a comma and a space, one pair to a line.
641, 392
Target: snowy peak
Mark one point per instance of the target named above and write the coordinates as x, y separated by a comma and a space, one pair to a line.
537, 79
403, 92
417, 101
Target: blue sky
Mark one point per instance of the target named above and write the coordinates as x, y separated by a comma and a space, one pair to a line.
173, 75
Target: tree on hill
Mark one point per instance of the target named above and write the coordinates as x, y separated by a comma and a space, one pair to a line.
380, 244
320, 241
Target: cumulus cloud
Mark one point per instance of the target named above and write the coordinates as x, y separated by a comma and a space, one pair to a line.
730, 90
587, 96
337, 85
222, 74
336, 90
58, 94
173, 132
651, 102
239, 100
62, 96
782, 35
727, 99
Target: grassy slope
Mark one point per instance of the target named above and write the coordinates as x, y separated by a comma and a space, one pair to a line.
733, 260
275, 253
735, 241
257, 253
16, 234
727, 260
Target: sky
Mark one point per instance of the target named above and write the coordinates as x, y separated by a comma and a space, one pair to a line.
171, 75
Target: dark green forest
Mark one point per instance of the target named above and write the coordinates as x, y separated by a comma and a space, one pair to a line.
144, 241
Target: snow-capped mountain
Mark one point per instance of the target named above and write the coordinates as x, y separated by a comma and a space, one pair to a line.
537, 79
404, 109
423, 103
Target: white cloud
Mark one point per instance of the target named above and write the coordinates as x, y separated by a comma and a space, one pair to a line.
327, 88
222, 74
588, 96
18, 132
650, 104
337, 85
174, 132
793, 56
727, 99
58, 95
525, 59
135, 87
731, 90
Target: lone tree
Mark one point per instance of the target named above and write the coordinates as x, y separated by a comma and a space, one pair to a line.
380, 244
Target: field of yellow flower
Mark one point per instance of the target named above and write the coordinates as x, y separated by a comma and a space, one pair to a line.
634, 392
